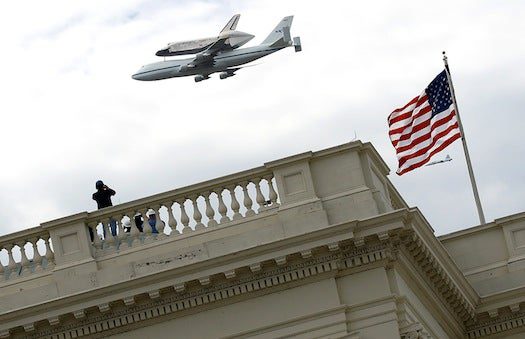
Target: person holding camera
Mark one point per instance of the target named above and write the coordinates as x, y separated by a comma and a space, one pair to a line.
103, 198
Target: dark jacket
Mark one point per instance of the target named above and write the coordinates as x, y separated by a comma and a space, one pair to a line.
103, 197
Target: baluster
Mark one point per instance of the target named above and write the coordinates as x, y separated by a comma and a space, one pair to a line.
24, 262
222, 206
113, 220
197, 215
184, 219
235, 204
146, 227
109, 241
122, 235
50, 256
134, 232
2, 269
172, 222
11, 264
210, 212
37, 258
259, 197
247, 200
273, 194
96, 238
159, 224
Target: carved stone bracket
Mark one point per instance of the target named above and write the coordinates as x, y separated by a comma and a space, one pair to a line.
429, 266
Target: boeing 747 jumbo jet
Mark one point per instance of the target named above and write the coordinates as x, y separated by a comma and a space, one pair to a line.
219, 54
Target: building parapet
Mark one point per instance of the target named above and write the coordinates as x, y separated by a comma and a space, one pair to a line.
353, 172
312, 215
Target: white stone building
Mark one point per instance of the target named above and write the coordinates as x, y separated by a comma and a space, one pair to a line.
316, 245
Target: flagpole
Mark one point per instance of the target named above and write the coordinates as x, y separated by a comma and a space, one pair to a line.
464, 141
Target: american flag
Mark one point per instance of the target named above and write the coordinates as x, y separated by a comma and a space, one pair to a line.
424, 126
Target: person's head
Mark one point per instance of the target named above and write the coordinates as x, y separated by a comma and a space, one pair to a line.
99, 185
150, 214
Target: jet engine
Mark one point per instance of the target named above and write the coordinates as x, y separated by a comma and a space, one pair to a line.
200, 77
224, 75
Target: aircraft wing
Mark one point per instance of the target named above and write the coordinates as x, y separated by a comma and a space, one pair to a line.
206, 57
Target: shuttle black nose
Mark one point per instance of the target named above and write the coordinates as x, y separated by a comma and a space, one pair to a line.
163, 52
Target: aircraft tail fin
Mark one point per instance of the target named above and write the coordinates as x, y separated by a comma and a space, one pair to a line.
280, 36
232, 24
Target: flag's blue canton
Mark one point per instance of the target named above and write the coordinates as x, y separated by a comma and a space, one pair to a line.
438, 93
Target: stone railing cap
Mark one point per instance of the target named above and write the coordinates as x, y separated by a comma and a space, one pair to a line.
65, 220
24, 234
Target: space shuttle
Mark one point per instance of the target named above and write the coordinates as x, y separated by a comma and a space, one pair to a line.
234, 39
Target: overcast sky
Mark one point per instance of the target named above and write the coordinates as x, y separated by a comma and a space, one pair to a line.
71, 114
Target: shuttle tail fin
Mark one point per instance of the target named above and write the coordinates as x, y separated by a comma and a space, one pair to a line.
232, 24
280, 36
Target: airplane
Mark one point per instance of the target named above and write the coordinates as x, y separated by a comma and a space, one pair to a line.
221, 55
235, 40
447, 158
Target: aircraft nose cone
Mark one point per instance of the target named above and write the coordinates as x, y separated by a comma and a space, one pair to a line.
163, 52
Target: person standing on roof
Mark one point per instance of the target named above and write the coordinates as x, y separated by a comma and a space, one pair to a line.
103, 198
152, 221
103, 195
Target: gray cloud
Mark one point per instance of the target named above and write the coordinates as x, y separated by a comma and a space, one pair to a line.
73, 114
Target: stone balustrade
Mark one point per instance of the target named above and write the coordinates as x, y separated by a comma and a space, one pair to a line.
27, 252
307, 179
282, 199
182, 211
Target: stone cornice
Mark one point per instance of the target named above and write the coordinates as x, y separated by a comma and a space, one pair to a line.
499, 313
497, 323
332, 250
444, 314
217, 287
337, 249
441, 280
440, 255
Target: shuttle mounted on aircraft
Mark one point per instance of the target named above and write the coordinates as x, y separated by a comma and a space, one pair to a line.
221, 54
235, 39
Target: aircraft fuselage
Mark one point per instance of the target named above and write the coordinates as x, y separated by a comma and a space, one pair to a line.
221, 62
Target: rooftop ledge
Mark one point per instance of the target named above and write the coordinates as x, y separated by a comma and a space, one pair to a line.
352, 172
333, 202
215, 219
336, 204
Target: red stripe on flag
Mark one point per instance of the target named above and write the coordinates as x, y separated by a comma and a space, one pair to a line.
418, 101
427, 159
413, 101
421, 112
426, 136
424, 150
